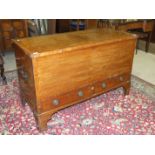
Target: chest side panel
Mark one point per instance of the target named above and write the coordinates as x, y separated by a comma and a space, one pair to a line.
26, 77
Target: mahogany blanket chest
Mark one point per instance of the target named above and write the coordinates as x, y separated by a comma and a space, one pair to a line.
57, 71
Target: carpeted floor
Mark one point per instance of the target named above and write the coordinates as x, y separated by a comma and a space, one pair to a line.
110, 113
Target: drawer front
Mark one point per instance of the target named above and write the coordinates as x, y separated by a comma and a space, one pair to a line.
18, 25
6, 25
7, 34
13, 34
82, 94
111, 83
67, 99
10, 25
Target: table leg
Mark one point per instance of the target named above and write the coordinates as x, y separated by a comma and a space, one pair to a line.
148, 41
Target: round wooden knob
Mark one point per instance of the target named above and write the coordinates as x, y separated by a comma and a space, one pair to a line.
80, 93
104, 85
55, 102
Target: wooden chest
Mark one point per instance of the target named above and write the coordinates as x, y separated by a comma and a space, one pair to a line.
57, 71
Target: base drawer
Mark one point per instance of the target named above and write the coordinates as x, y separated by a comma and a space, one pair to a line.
75, 96
67, 99
110, 83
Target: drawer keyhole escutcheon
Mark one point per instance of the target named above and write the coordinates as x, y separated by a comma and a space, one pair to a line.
55, 102
80, 93
121, 78
104, 85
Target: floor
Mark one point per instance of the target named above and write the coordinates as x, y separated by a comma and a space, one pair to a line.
9, 61
143, 65
142, 44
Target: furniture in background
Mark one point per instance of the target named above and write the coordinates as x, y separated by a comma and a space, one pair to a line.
41, 26
153, 33
77, 24
33, 29
103, 23
73, 67
2, 70
10, 29
91, 23
51, 26
141, 28
82, 24
66, 25
62, 25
